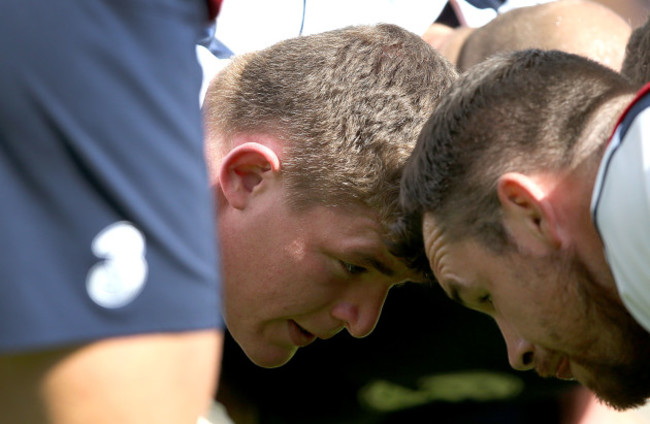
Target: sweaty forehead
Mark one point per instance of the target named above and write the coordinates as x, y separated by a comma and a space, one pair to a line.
434, 242
449, 259
443, 259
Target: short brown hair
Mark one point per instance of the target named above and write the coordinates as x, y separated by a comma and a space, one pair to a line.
520, 112
349, 105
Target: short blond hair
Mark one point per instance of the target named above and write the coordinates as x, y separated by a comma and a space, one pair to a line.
348, 104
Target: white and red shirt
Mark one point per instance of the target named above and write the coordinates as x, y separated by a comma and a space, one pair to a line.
620, 206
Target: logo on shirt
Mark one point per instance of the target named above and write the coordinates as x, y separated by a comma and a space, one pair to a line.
121, 274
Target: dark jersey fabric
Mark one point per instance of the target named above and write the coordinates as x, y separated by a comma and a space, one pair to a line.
100, 127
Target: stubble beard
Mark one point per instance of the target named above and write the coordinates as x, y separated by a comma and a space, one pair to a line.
623, 383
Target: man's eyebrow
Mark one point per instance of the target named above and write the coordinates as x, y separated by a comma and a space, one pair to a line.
370, 261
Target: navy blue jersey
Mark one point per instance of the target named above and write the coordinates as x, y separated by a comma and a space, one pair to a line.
106, 218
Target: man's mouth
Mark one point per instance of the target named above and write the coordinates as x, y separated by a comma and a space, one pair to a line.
563, 370
559, 368
299, 336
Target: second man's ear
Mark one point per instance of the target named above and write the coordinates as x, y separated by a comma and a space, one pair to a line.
243, 170
528, 213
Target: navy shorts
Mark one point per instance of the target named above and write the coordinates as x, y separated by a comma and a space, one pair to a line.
106, 218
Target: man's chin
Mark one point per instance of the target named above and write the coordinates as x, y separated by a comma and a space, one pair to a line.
621, 403
270, 356
616, 392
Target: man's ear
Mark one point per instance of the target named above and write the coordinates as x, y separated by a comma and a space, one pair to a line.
528, 213
243, 170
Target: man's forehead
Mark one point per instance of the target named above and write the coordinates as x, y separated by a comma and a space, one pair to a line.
428, 224
442, 258
367, 238
433, 239
447, 255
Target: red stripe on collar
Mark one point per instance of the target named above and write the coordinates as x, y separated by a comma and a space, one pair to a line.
213, 8
642, 92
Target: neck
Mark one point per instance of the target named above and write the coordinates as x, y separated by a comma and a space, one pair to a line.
574, 191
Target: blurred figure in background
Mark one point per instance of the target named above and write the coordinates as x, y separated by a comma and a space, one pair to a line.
109, 294
636, 65
575, 26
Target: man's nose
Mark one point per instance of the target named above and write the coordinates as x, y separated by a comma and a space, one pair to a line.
521, 353
360, 309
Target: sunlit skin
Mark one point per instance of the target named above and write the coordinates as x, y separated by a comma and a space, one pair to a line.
543, 306
292, 276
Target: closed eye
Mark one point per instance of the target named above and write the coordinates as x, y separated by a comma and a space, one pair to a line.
353, 269
487, 299
485, 304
